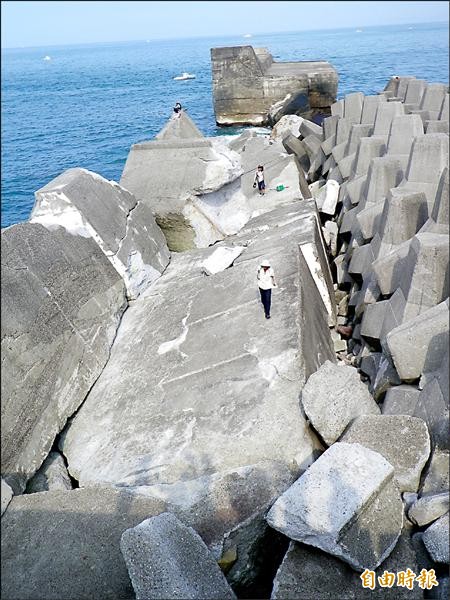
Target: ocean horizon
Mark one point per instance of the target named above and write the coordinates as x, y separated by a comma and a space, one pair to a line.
84, 105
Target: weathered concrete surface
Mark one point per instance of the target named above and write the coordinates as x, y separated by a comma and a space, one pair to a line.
6, 495
337, 503
332, 397
307, 573
402, 440
88, 205
52, 475
247, 83
418, 345
428, 509
208, 193
66, 544
62, 301
436, 477
203, 392
401, 400
435, 539
166, 559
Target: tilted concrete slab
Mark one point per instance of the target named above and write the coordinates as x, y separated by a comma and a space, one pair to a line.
166, 559
62, 301
334, 504
88, 205
203, 376
65, 544
203, 198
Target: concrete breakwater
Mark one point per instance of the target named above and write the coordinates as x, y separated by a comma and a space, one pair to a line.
194, 431
250, 88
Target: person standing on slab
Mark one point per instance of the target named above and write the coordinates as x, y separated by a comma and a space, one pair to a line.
259, 180
266, 282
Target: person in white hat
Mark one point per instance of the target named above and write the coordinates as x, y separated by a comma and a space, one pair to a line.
266, 282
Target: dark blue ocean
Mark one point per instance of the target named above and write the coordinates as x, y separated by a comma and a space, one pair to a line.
87, 105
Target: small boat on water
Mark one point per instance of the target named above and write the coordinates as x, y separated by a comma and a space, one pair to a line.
47, 58
184, 76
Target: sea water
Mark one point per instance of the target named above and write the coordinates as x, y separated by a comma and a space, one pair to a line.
84, 106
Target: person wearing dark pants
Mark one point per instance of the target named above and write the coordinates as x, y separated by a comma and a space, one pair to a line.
266, 282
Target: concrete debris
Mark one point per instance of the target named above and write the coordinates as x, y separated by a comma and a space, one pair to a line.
166, 559
333, 506
334, 396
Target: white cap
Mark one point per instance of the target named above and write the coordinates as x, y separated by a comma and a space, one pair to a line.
265, 263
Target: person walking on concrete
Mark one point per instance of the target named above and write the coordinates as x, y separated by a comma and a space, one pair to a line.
177, 109
259, 180
266, 282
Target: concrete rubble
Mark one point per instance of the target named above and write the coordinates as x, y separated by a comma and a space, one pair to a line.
52, 475
350, 484
208, 193
166, 559
435, 539
329, 406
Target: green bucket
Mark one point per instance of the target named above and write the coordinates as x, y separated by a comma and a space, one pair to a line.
280, 187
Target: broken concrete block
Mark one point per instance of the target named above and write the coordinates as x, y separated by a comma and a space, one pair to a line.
286, 126
87, 205
65, 544
327, 197
428, 509
334, 396
6, 495
307, 573
310, 128
62, 301
334, 504
166, 559
222, 258
401, 400
435, 539
417, 346
384, 434
436, 474
52, 475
